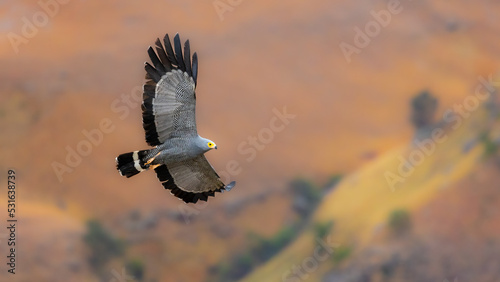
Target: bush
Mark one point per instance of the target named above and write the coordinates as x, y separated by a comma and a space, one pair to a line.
264, 248
306, 189
103, 246
388, 268
306, 196
341, 253
334, 179
136, 268
423, 109
261, 250
322, 229
490, 147
399, 221
240, 266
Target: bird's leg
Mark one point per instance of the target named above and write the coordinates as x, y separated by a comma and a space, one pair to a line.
154, 166
152, 159
151, 166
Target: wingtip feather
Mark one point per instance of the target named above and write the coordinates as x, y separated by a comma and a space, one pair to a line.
230, 186
195, 68
187, 58
178, 52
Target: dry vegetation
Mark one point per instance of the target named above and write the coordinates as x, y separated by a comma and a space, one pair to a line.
351, 119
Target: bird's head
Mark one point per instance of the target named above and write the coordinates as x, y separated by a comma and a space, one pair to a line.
211, 145
206, 144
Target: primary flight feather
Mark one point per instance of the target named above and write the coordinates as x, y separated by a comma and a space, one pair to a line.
168, 115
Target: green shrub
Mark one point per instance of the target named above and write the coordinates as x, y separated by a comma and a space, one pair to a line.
305, 188
241, 265
306, 197
334, 179
264, 248
423, 109
399, 221
261, 249
490, 147
136, 268
103, 246
322, 229
341, 253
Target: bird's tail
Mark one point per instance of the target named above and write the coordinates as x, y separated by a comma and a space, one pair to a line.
130, 164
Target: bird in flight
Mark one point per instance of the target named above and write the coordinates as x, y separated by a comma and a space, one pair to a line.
168, 116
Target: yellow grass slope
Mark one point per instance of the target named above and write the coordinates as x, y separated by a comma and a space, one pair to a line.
359, 206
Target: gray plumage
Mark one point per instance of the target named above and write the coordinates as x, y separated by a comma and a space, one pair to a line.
169, 121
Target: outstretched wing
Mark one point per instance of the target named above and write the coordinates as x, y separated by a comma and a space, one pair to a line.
168, 107
192, 180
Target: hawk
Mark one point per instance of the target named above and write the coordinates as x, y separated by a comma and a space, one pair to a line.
168, 116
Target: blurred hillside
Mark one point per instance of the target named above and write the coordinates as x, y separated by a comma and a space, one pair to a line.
446, 226
80, 68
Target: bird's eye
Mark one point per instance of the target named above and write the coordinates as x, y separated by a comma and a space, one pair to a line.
210, 144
